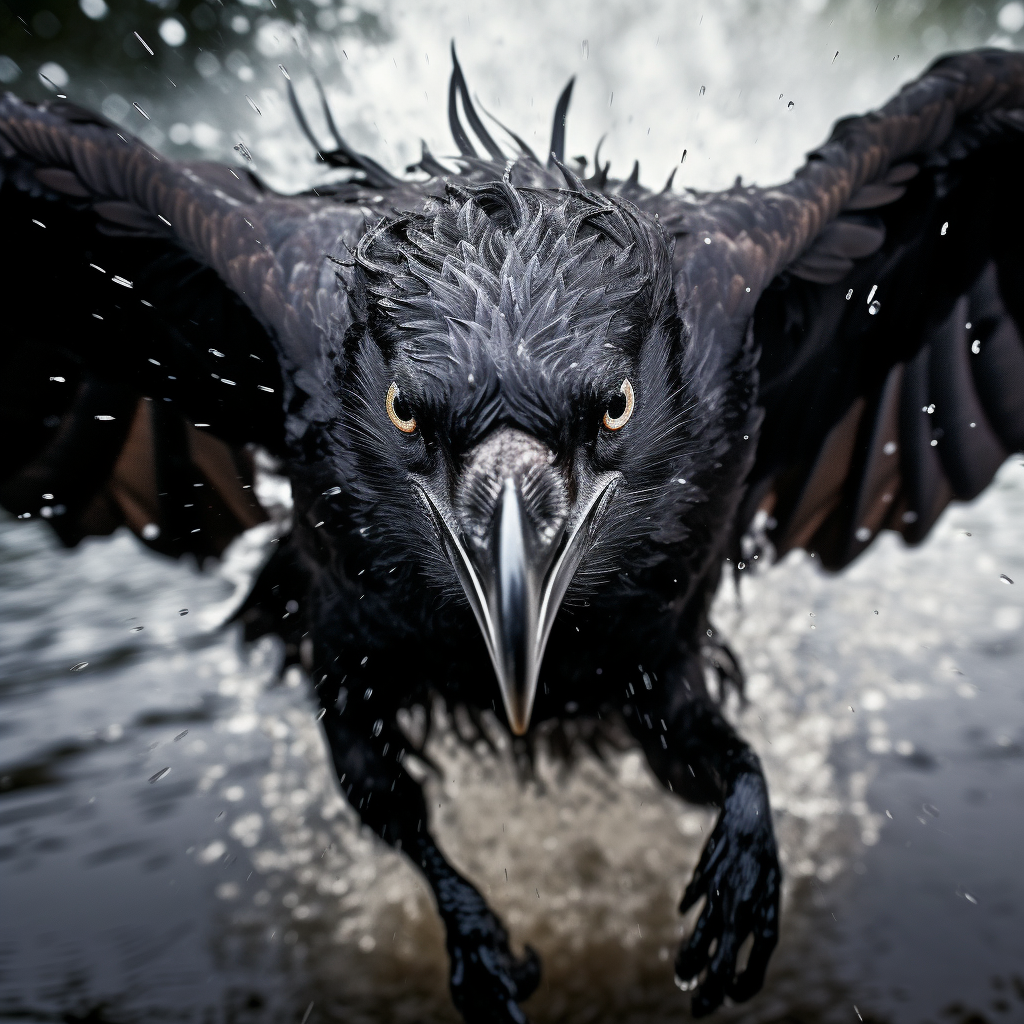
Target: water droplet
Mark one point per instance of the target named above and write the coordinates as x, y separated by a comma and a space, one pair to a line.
791, 105
889, 448
183, 611
79, 666
140, 110
849, 295
378, 726
976, 346
144, 43
159, 775
284, 71
181, 736
874, 307
1005, 578
136, 629
945, 227
321, 713
252, 104
930, 809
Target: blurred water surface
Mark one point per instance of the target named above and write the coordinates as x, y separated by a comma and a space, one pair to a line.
887, 704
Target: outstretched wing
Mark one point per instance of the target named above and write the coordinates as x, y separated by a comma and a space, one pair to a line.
158, 316
893, 380
888, 278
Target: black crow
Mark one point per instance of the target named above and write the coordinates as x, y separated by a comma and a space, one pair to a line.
527, 416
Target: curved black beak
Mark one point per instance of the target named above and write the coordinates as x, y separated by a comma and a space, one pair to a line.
515, 582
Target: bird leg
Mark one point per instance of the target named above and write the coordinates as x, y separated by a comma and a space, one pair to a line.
699, 756
487, 981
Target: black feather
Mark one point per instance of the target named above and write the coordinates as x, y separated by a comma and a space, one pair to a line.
458, 87
557, 147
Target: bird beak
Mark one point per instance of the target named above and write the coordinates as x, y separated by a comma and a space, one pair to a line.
516, 584
514, 593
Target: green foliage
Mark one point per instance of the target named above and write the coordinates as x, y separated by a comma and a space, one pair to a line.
100, 39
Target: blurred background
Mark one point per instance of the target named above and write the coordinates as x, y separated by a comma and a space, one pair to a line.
172, 845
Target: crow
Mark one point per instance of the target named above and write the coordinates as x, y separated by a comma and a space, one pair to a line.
528, 416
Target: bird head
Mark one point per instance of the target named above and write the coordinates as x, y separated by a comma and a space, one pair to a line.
515, 388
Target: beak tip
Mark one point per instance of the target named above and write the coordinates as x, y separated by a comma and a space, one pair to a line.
517, 714
519, 726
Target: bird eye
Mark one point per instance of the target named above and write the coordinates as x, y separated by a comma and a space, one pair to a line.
620, 408
398, 411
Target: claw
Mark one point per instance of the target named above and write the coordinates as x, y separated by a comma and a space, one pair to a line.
526, 974
738, 877
487, 981
693, 957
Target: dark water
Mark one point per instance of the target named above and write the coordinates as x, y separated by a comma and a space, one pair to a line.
238, 887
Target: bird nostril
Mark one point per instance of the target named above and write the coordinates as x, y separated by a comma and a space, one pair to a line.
477, 503
543, 493
545, 501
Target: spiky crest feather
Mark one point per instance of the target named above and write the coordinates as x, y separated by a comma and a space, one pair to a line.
535, 276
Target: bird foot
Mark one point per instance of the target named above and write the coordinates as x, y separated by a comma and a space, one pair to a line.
739, 879
487, 980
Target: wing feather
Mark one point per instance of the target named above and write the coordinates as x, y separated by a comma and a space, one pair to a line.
110, 363
892, 366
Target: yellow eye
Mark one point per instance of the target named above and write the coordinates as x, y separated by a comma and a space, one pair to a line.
620, 408
398, 412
